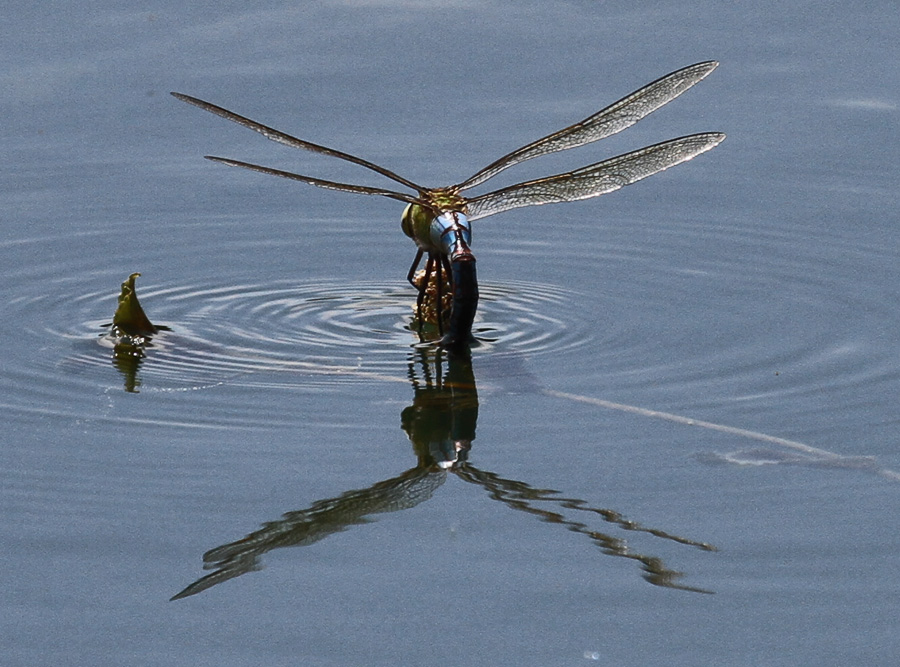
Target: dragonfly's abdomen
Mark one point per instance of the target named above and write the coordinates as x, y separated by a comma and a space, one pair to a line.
464, 303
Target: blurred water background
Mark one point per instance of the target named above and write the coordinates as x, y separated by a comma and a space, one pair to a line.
703, 365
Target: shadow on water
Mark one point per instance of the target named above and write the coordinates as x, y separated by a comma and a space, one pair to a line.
440, 423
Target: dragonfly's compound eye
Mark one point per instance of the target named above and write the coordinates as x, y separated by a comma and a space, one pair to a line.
416, 221
406, 223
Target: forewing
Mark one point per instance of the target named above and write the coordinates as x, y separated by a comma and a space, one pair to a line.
288, 140
614, 118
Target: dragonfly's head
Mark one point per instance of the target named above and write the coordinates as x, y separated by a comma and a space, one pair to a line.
443, 232
451, 232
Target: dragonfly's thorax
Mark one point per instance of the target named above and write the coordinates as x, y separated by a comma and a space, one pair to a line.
445, 199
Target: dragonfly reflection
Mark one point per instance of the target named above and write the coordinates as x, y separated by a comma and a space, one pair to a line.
440, 423
439, 220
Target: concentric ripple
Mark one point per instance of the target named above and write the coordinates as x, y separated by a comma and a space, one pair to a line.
324, 331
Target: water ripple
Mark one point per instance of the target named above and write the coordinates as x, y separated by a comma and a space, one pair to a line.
673, 324
321, 332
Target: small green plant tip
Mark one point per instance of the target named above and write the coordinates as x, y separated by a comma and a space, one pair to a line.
130, 318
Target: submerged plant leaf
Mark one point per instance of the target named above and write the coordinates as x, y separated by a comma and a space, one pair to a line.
430, 308
130, 318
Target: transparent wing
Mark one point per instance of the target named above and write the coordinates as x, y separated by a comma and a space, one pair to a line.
595, 179
331, 185
288, 140
614, 118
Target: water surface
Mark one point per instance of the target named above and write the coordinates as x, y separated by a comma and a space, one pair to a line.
679, 425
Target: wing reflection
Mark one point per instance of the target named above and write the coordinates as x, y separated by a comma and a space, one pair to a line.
520, 496
441, 424
321, 519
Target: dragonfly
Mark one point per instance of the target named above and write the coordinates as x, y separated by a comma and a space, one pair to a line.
439, 219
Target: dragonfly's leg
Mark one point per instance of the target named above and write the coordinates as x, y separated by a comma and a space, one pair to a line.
439, 302
449, 273
411, 276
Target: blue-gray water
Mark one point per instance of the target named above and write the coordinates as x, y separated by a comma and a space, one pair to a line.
753, 288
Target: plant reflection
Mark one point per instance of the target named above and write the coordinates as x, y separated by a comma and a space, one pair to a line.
441, 425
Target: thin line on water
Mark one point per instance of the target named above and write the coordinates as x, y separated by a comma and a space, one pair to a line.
722, 428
